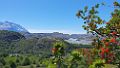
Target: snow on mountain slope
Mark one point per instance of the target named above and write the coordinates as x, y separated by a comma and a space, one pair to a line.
12, 27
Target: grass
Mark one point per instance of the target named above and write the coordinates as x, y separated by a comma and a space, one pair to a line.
110, 66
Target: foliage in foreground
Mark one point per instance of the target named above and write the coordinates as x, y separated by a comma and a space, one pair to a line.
107, 41
106, 49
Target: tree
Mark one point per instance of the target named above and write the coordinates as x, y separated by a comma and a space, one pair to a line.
26, 61
107, 41
13, 65
2, 61
58, 52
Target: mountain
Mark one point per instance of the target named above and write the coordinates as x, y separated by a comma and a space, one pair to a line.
14, 43
73, 38
6, 35
10, 26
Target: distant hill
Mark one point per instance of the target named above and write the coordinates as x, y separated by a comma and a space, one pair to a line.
14, 39
13, 42
10, 26
6, 35
73, 38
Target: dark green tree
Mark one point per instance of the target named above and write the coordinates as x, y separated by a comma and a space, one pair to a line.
13, 65
2, 61
26, 61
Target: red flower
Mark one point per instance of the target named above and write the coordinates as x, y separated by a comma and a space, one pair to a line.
106, 50
113, 33
102, 49
54, 50
113, 40
107, 43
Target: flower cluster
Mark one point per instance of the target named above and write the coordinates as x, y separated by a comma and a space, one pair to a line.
108, 47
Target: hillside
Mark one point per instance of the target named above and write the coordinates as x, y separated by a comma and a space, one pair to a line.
15, 43
14, 39
10, 35
73, 38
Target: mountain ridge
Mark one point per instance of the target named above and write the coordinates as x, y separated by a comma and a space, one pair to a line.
77, 38
10, 26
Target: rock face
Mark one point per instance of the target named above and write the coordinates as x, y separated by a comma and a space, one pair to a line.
12, 27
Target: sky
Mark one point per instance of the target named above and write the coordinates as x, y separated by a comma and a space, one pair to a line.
47, 16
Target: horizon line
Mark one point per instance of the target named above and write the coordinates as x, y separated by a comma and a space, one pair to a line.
53, 31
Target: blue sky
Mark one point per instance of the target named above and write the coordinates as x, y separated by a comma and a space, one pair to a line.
49, 15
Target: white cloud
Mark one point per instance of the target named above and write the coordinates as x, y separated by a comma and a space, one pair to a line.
51, 31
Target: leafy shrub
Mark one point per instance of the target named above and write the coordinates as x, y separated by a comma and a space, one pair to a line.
7, 66
26, 62
2, 61
13, 65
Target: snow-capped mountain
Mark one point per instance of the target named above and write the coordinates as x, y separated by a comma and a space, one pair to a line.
12, 27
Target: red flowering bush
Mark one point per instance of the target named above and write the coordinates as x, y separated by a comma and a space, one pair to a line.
107, 41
